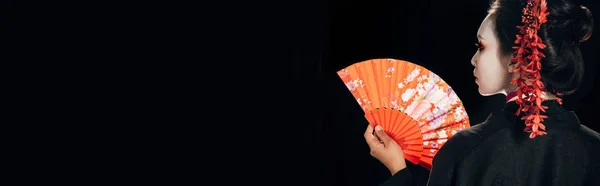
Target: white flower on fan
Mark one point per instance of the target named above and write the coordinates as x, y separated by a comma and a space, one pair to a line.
394, 104
413, 74
429, 116
430, 84
454, 132
390, 70
420, 90
420, 108
359, 101
442, 133
419, 85
459, 114
442, 141
427, 128
343, 73
435, 111
443, 104
410, 109
351, 85
432, 81
408, 94
427, 136
400, 85
453, 98
433, 76
436, 95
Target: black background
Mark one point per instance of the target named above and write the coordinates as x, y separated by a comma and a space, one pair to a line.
135, 81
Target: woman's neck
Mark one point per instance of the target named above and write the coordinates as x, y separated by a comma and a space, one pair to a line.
511, 93
545, 96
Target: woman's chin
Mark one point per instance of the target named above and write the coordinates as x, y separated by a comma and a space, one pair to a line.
483, 92
487, 93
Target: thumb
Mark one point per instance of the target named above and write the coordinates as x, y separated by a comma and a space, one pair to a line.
382, 135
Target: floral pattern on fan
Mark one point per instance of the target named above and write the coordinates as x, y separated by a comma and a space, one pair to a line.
413, 90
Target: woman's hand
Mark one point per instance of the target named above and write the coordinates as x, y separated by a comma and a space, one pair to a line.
385, 149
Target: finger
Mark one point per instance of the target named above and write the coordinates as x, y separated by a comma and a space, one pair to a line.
377, 137
369, 131
382, 135
371, 140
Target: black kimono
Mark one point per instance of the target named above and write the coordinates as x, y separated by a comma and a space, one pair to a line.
498, 152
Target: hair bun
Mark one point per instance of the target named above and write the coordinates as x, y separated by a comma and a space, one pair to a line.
587, 24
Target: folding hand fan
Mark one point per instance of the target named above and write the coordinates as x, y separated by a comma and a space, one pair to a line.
413, 105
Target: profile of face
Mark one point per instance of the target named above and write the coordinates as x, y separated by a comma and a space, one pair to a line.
492, 73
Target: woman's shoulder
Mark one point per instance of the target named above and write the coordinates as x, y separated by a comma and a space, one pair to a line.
475, 133
590, 135
466, 139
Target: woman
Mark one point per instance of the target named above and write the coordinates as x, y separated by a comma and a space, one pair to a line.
539, 146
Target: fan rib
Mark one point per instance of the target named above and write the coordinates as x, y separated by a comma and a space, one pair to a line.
403, 124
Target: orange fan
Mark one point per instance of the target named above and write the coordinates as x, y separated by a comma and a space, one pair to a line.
413, 105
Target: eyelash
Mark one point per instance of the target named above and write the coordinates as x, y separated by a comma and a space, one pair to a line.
479, 46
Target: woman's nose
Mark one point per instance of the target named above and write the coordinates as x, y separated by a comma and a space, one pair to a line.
473, 60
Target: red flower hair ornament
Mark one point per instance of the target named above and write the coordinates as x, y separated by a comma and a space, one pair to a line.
528, 55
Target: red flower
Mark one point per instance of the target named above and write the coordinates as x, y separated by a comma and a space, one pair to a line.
529, 47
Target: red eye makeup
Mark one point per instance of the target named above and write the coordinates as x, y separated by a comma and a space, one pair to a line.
479, 46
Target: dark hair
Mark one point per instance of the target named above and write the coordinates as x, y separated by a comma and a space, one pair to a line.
568, 25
